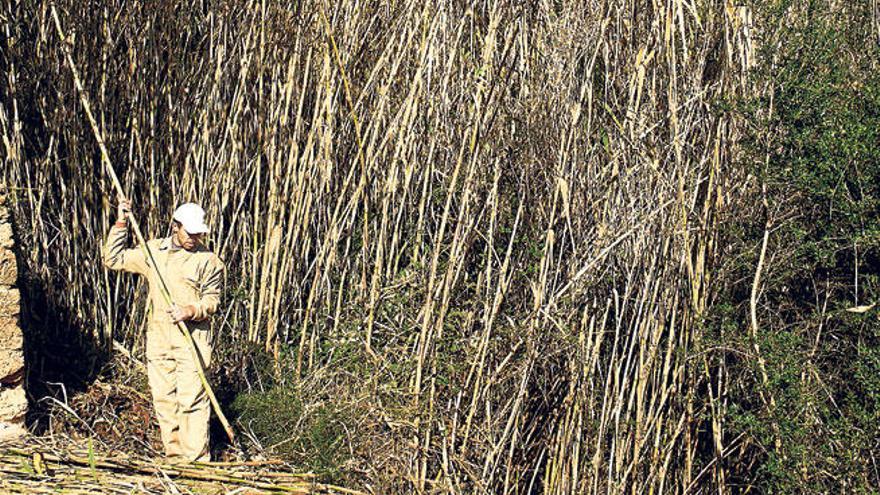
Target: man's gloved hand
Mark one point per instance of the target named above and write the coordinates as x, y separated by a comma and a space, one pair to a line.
181, 313
123, 209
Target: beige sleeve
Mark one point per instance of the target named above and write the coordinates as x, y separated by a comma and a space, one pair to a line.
117, 257
212, 287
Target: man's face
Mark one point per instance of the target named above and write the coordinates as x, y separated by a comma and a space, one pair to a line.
185, 239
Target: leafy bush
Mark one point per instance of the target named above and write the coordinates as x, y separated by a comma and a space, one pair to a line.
813, 422
313, 437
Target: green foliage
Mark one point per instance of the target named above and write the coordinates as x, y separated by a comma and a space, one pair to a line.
815, 418
311, 437
826, 125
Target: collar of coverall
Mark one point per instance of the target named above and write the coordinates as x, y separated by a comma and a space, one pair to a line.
168, 243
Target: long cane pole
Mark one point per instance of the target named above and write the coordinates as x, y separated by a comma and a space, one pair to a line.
105, 159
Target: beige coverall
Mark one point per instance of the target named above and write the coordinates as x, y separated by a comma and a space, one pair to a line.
193, 278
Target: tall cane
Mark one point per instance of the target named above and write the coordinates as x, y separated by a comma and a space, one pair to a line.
105, 159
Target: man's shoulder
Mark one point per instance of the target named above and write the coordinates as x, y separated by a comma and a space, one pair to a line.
210, 257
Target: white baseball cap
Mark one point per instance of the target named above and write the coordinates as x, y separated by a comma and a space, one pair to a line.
192, 217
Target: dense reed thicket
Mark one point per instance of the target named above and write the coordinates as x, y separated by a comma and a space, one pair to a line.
479, 248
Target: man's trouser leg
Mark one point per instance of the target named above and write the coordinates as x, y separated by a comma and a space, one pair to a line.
162, 376
194, 408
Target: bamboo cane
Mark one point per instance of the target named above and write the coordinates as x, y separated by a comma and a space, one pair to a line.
105, 159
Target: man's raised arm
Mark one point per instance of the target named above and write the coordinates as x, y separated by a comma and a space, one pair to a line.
115, 254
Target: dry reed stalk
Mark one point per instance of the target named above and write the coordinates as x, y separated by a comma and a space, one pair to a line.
89, 471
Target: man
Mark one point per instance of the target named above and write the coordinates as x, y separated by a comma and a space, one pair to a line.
194, 277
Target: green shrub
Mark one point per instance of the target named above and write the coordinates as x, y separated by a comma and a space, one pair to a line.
814, 420
314, 437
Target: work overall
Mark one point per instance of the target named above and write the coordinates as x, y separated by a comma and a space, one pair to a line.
193, 278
